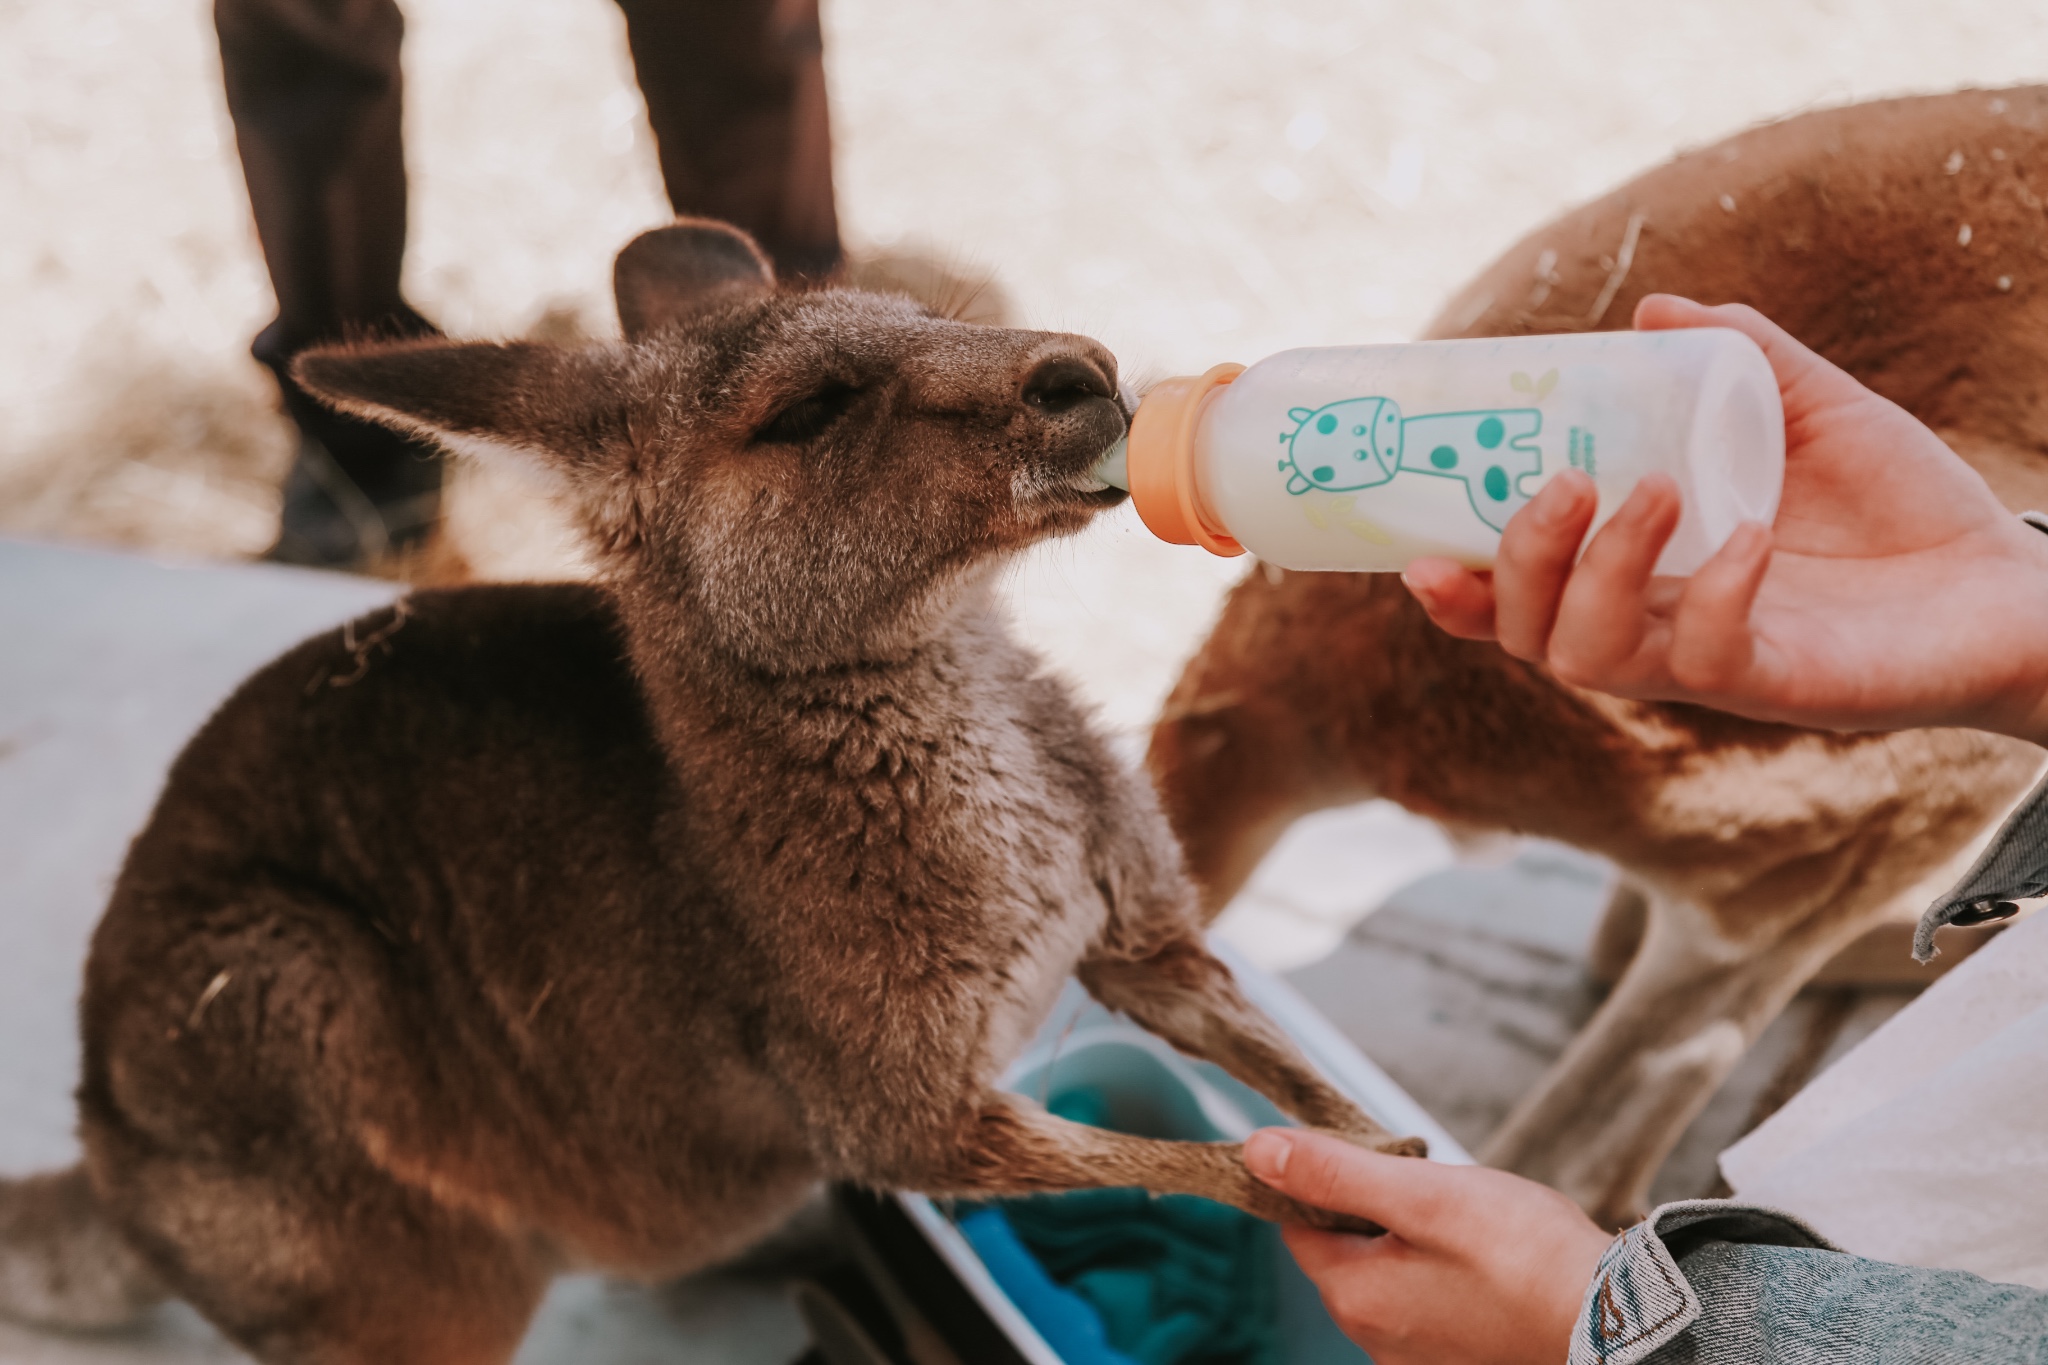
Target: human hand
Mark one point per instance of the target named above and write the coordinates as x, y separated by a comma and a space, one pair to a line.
1894, 590
1478, 1267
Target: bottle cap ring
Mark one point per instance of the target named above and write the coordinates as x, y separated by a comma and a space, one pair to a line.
1162, 461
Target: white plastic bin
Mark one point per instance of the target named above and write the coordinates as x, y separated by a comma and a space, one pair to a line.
951, 1308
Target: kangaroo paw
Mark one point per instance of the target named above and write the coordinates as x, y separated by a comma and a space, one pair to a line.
1377, 1139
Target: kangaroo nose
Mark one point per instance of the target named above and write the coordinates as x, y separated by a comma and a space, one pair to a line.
1065, 382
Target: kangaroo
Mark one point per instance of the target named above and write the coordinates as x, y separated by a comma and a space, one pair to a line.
1903, 239
516, 928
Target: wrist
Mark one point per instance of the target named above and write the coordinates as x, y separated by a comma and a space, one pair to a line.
2024, 713
1575, 1266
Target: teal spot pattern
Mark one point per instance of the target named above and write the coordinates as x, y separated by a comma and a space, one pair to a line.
1355, 444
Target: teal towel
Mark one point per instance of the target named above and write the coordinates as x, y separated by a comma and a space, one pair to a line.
1069, 1324
1176, 1280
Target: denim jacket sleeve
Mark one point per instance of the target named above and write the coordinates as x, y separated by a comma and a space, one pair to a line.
1711, 1282
2014, 866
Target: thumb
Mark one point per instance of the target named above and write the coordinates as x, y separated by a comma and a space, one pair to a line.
1806, 378
1404, 1195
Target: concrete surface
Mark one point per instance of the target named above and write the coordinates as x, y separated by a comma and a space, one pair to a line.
711, 1320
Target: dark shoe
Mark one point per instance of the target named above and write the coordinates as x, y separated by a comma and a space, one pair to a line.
358, 494
331, 521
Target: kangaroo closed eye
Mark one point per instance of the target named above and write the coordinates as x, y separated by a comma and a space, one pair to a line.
808, 417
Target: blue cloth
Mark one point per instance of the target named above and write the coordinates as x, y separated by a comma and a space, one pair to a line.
1167, 1281
1177, 1280
1069, 1324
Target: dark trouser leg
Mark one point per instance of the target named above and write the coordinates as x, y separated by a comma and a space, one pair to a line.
313, 88
736, 93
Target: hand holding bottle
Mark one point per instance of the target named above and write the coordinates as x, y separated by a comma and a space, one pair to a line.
1893, 589
1391, 453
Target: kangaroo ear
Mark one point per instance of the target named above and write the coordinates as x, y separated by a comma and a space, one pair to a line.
665, 275
556, 407
558, 415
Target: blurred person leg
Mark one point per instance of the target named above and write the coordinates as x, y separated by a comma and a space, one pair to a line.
314, 91
736, 95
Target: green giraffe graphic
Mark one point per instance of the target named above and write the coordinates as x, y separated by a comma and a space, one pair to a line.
1364, 442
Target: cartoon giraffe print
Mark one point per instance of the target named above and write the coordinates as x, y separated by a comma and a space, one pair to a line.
1359, 443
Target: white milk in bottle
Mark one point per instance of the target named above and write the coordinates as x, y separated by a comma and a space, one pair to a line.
1370, 457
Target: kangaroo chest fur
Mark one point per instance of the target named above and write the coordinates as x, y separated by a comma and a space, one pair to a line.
907, 847
912, 856
596, 965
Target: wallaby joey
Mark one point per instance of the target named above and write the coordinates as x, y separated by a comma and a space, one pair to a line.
524, 927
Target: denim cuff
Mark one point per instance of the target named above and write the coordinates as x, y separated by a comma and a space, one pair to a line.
1639, 1298
2014, 867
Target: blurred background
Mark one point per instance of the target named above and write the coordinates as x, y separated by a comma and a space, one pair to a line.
1189, 180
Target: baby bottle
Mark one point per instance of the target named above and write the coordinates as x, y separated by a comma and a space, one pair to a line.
1368, 457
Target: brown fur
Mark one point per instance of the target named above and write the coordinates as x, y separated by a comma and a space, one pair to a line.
521, 927
1761, 850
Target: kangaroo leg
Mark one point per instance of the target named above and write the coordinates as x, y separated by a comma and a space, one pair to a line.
311, 1264
1239, 754
1181, 992
1014, 1147
1227, 794
1601, 1122
230, 1069
1619, 934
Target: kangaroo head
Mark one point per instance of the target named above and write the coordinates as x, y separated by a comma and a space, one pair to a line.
795, 479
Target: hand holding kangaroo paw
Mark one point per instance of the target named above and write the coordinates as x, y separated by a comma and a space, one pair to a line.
1296, 1212
1015, 1147
1378, 1140
1278, 1208
1476, 1265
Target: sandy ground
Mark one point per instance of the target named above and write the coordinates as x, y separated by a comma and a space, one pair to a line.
1190, 180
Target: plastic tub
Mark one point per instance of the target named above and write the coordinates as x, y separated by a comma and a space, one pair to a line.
943, 1297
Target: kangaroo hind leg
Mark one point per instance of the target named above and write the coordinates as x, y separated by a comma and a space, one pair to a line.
301, 1265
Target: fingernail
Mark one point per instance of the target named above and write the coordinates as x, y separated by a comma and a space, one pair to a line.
1409, 580
1558, 500
1643, 500
1266, 1153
